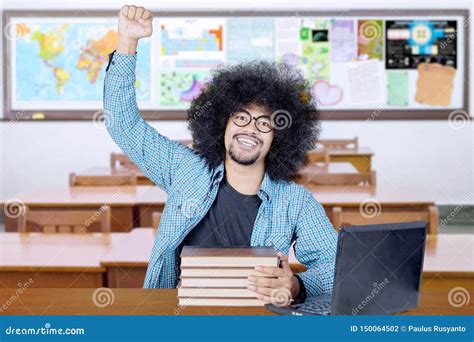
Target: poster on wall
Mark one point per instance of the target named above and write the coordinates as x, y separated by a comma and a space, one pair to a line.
59, 63
352, 63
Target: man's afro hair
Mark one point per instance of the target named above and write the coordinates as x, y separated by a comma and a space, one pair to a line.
281, 90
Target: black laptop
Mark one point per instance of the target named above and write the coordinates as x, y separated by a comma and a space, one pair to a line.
378, 272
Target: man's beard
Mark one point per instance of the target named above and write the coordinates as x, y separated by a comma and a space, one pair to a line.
238, 158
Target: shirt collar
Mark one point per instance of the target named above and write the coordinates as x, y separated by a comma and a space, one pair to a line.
266, 188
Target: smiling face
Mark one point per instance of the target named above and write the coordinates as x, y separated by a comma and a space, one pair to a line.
247, 145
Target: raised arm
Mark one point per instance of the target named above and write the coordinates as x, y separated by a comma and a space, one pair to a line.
157, 156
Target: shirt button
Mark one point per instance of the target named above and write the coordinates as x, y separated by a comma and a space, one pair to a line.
113, 62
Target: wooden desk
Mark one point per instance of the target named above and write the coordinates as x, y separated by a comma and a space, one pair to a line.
121, 199
340, 167
361, 158
120, 260
394, 205
133, 205
127, 262
53, 260
108, 171
162, 302
391, 203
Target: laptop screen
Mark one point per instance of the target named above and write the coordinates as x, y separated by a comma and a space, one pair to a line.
378, 268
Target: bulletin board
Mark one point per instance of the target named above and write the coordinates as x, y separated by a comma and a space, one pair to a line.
361, 64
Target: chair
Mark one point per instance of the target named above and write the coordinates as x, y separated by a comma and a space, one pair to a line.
124, 179
375, 214
339, 144
319, 157
318, 164
318, 173
65, 221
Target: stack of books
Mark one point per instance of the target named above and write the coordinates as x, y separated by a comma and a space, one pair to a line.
218, 276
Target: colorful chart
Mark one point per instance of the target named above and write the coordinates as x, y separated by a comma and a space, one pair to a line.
178, 88
349, 62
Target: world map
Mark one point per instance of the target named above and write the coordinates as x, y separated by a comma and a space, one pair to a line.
67, 61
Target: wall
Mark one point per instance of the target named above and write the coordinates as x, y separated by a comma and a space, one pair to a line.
427, 157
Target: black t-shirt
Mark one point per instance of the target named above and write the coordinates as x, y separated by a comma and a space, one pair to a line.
228, 223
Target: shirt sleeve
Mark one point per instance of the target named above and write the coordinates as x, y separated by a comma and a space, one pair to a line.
157, 156
315, 247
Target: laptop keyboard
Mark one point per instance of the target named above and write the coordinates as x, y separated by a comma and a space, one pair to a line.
314, 306
320, 305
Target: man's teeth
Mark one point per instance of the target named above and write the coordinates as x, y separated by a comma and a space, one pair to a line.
247, 142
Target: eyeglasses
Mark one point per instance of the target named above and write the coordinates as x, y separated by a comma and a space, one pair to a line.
242, 118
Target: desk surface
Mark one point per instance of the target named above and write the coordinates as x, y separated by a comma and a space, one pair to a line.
92, 195
342, 167
108, 171
162, 302
59, 252
386, 194
361, 151
447, 254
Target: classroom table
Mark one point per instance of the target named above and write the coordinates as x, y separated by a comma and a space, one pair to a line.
104, 171
54, 260
120, 260
120, 199
133, 205
392, 203
386, 203
161, 302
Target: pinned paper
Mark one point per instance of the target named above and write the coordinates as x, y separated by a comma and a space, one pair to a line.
343, 45
327, 94
365, 81
397, 88
435, 84
370, 39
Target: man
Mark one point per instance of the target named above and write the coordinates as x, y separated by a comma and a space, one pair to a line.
252, 125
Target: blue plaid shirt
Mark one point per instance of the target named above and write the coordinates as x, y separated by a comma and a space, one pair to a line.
288, 211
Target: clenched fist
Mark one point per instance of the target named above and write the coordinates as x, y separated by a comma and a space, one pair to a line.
134, 23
